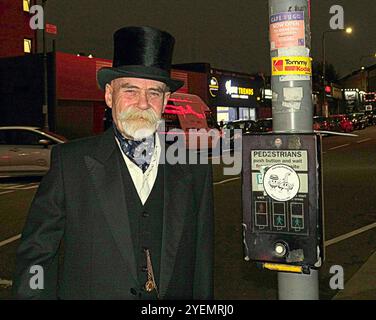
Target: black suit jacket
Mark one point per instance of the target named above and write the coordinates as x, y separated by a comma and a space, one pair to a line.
81, 201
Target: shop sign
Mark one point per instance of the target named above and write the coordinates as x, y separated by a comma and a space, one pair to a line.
336, 93
267, 93
350, 95
370, 97
51, 28
282, 66
238, 92
233, 91
213, 87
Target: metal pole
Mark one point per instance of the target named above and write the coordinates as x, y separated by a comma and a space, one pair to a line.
326, 110
45, 73
288, 115
293, 286
292, 107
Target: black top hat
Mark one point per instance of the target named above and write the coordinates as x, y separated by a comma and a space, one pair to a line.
141, 52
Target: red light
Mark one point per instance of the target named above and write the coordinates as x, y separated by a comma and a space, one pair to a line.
179, 100
183, 111
328, 89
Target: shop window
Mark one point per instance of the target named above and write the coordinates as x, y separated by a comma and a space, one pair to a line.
26, 5
27, 45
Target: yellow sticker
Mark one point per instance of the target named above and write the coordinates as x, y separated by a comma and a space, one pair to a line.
283, 267
282, 66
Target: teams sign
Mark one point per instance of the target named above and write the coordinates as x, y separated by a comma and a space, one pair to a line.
234, 91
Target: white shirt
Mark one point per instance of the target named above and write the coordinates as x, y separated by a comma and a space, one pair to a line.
144, 182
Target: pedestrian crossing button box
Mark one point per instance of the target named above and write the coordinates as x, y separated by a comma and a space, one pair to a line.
282, 199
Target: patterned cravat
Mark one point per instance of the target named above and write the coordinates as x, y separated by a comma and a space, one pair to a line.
139, 152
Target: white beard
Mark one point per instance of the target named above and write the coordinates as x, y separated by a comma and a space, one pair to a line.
132, 126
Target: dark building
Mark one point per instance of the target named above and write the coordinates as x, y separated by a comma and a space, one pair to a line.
360, 89
16, 36
21, 90
75, 103
76, 106
230, 95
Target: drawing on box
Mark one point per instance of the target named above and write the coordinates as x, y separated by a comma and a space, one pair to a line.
284, 184
281, 182
274, 181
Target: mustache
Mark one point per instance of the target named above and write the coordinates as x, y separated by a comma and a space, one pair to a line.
133, 113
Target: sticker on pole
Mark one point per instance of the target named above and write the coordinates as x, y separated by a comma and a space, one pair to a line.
284, 66
281, 182
287, 30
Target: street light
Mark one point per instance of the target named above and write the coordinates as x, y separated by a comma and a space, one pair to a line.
348, 30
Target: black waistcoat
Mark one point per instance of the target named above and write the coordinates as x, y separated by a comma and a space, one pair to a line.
146, 223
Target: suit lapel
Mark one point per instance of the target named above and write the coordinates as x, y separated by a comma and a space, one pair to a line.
177, 185
104, 169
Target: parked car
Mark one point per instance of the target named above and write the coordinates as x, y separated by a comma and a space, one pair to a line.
264, 125
359, 120
341, 123
371, 117
321, 123
334, 125
25, 151
246, 126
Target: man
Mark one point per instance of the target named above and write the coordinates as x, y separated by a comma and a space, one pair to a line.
126, 225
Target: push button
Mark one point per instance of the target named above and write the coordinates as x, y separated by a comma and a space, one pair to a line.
280, 249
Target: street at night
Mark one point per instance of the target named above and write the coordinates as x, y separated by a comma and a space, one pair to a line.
187, 150
349, 209
350, 230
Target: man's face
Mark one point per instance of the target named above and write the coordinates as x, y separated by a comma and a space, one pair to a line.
137, 105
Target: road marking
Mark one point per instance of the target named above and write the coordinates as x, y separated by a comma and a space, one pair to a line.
225, 181
5, 283
18, 187
220, 156
23, 185
10, 240
27, 188
364, 140
341, 146
5, 192
5, 185
350, 234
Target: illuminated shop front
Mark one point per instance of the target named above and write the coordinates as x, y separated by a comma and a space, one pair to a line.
233, 96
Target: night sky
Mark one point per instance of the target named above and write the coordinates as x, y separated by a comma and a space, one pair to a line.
231, 35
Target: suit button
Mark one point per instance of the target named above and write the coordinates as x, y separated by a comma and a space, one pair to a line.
134, 291
144, 269
145, 214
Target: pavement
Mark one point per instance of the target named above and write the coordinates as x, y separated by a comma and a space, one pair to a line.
362, 285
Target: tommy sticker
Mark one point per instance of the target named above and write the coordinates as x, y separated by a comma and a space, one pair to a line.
281, 182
